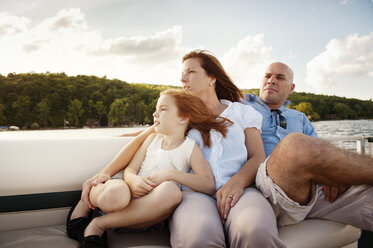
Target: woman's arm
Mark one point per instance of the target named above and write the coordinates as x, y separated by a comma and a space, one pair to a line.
119, 162
132, 134
228, 195
202, 180
138, 185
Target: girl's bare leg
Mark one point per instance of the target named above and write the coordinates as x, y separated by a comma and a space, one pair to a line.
141, 212
80, 210
111, 196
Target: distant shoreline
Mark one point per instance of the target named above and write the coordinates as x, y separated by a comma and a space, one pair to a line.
6, 129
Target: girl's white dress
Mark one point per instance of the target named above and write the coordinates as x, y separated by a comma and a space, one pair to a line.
157, 159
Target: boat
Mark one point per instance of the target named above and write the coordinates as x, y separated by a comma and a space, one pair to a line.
41, 177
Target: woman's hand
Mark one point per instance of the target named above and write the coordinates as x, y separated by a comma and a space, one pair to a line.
159, 177
140, 186
227, 196
87, 185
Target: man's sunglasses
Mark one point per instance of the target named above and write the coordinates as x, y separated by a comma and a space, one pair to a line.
282, 119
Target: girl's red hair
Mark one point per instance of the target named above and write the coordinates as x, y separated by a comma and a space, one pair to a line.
200, 117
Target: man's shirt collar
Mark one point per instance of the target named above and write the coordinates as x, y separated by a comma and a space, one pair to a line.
254, 98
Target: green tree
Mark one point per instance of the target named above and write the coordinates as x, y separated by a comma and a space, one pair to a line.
91, 108
2, 116
75, 112
43, 112
304, 107
22, 96
307, 109
117, 113
101, 110
22, 110
149, 110
343, 110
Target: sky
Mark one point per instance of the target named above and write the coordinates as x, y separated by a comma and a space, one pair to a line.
328, 43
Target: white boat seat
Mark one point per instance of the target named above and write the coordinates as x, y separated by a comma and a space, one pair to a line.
40, 177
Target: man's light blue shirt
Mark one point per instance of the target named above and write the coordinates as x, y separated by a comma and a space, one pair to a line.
272, 133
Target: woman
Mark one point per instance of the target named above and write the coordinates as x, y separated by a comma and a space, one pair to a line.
241, 213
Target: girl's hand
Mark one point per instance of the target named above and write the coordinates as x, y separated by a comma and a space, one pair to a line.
160, 176
226, 197
87, 185
140, 186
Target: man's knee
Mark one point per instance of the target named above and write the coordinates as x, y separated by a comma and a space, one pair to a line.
301, 147
297, 154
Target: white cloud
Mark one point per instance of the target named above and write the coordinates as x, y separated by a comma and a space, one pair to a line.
11, 24
72, 19
342, 61
66, 43
246, 61
139, 45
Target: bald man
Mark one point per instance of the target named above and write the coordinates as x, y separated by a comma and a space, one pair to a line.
303, 176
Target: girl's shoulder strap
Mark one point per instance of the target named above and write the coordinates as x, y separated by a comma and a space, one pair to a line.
189, 145
157, 141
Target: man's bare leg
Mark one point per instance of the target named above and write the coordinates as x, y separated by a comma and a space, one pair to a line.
298, 160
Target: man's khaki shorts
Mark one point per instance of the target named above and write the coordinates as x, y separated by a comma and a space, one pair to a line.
354, 207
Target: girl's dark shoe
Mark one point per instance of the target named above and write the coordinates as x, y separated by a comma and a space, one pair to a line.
75, 227
92, 241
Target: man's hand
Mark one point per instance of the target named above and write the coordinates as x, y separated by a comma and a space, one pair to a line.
140, 186
227, 196
160, 176
331, 192
87, 185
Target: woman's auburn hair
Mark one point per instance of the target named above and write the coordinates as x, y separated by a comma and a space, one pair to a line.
224, 86
199, 116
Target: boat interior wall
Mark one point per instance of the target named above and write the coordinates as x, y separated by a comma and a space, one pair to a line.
40, 178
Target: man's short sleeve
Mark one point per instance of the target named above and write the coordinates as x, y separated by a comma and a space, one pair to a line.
308, 128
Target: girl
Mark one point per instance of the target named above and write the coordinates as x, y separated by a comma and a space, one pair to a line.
165, 156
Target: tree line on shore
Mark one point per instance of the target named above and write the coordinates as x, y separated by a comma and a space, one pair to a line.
50, 100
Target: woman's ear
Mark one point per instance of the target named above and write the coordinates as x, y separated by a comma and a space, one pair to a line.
212, 81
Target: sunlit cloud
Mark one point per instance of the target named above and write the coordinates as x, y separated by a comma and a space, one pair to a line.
11, 24
66, 43
348, 59
247, 61
139, 45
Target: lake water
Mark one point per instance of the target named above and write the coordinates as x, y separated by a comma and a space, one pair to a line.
345, 128
325, 129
